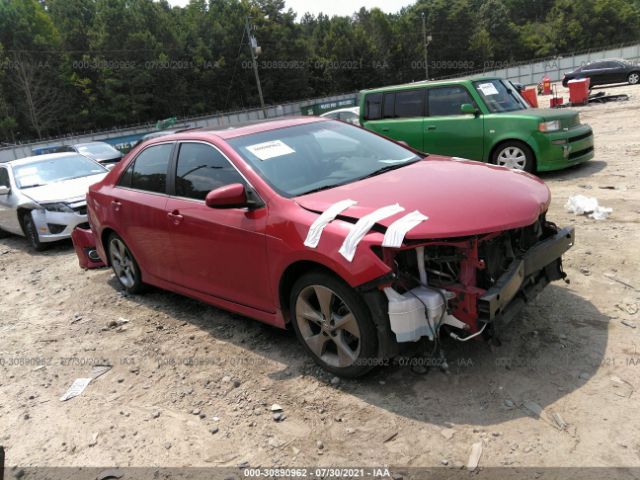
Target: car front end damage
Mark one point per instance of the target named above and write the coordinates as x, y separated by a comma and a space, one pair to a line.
468, 287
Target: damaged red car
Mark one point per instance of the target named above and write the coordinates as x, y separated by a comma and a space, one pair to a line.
360, 244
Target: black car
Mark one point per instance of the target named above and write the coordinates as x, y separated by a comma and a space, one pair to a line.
603, 72
99, 151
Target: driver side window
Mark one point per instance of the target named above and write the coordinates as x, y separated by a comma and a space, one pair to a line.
4, 178
202, 168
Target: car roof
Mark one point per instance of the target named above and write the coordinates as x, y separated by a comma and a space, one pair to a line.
429, 83
38, 158
340, 110
259, 126
90, 143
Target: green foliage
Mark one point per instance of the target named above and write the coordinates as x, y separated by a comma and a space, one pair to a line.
73, 65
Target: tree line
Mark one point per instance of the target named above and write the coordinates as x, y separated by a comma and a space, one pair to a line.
74, 65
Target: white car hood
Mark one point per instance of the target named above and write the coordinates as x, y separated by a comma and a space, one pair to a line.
66, 190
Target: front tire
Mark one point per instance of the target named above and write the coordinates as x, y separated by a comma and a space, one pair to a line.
333, 324
634, 78
31, 233
516, 155
124, 266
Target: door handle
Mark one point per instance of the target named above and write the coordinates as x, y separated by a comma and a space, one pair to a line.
175, 217
115, 204
385, 129
431, 128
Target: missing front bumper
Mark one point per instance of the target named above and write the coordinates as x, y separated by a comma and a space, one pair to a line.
526, 277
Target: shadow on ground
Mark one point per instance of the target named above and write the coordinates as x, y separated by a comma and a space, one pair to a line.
552, 349
582, 170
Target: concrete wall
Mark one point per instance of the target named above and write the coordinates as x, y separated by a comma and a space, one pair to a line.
532, 73
221, 120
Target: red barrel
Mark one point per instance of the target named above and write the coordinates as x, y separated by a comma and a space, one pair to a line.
579, 91
546, 85
530, 96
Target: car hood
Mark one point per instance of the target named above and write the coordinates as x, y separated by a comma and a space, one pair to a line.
568, 118
460, 197
65, 190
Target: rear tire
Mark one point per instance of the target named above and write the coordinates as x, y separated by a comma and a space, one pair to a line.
333, 324
30, 231
124, 266
634, 78
514, 154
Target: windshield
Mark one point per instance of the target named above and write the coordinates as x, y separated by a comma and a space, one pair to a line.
44, 172
306, 158
97, 149
500, 96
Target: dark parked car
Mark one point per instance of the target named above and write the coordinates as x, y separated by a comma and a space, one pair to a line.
99, 151
603, 72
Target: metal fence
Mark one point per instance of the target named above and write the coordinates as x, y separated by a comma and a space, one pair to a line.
227, 119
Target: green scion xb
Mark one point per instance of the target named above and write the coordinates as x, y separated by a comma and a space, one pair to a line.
478, 119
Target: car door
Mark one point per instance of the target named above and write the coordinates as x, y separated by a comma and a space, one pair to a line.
138, 211
596, 72
220, 252
447, 131
8, 214
616, 72
403, 111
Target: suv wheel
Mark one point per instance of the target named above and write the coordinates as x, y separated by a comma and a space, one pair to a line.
124, 265
516, 155
31, 233
333, 324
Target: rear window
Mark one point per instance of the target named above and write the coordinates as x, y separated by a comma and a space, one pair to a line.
373, 106
410, 103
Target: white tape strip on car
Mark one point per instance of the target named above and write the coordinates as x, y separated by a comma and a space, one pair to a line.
360, 229
315, 231
398, 229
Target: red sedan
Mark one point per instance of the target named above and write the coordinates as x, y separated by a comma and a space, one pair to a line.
362, 245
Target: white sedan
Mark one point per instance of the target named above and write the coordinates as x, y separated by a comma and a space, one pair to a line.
43, 197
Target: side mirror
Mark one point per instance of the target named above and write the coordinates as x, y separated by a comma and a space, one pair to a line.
4, 190
229, 196
467, 108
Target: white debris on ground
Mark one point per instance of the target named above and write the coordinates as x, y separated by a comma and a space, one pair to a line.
580, 205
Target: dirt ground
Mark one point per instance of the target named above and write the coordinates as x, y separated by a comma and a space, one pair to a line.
192, 385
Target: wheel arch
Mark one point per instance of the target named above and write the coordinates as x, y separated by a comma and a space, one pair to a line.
289, 277
503, 141
104, 240
20, 213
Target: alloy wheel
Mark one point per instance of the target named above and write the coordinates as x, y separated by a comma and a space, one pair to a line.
634, 78
122, 263
512, 157
328, 326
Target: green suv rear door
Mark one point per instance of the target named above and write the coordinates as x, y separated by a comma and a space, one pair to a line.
398, 115
448, 131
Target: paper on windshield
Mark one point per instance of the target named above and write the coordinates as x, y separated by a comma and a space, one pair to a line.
360, 229
315, 231
488, 89
396, 232
272, 149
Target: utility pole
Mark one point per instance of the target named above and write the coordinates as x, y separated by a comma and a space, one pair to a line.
426, 40
255, 51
